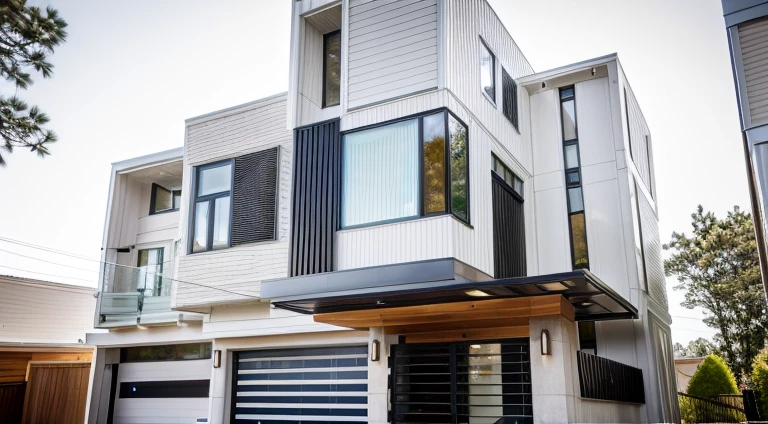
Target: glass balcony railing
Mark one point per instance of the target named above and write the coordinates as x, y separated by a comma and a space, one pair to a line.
131, 292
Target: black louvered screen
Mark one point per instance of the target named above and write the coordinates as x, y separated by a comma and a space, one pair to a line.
316, 197
508, 231
254, 197
477, 381
509, 88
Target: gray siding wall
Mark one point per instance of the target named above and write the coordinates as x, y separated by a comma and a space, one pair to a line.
238, 270
640, 141
753, 38
392, 49
466, 23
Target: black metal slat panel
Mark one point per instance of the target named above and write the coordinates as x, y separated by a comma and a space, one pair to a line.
315, 203
509, 89
254, 197
449, 382
602, 378
508, 231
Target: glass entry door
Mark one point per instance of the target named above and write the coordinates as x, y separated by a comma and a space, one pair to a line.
463, 382
150, 278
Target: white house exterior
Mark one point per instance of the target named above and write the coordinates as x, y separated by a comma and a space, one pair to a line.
423, 229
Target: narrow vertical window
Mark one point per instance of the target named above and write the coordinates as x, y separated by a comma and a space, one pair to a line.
434, 163
150, 265
212, 207
459, 168
574, 192
487, 72
331, 68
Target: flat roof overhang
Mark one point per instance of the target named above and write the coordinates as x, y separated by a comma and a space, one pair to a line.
438, 282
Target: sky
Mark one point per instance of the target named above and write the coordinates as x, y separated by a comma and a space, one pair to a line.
130, 73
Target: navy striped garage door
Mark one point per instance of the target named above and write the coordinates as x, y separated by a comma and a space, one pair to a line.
312, 385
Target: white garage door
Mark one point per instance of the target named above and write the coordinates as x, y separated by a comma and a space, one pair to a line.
163, 391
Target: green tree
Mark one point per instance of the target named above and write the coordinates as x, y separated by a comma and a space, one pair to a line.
28, 36
717, 267
760, 378
712, 378
695, 349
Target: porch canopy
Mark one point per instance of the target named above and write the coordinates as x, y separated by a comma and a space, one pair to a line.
445, 295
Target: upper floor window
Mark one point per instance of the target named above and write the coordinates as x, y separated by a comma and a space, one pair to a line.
515, 182
212, 206
405, 169
164, 200
235, 201
487, 72
332, 68
574, 193
509, 92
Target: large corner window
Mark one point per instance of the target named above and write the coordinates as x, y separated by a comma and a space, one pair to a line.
212, 207
163, 200
405, 169
574, 192
332, 68
487, 72
509, 93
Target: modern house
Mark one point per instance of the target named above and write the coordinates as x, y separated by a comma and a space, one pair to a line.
746, 23
44, 364
422, 229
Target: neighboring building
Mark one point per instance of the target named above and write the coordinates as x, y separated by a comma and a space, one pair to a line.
44, 364
439, 234
746, 22
684, 370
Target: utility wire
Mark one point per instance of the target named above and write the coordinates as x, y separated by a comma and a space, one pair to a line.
42, 273
43, 260
47, 249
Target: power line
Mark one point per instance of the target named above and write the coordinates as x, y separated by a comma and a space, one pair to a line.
42, 273
43, 260
47, 249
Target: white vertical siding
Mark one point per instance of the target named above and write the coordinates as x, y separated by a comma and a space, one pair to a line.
408, 241
391, 50
466, 22
34, 311
753, 40
239, 270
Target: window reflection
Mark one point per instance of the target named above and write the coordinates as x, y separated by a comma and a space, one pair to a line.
568, 109
201, 227
487, 72
579, 241
434, 163
459, 168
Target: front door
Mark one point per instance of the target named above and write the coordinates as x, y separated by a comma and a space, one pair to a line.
461, 382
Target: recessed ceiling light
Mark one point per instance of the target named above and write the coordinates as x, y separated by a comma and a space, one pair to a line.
586, 304
556, 286
475, 346
476, 293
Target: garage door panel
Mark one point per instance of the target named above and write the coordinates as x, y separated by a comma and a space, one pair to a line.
302, 385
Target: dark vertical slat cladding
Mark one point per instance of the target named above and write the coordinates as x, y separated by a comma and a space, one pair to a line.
254, 197
316, 184
602, 378
508, 231
509, 93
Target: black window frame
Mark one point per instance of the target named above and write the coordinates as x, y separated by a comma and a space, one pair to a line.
491, 98
153, 200
448, 177
510, 111
518, 193
326, 36
573, 171
211, 199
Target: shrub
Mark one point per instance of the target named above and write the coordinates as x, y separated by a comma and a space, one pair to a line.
713, 377
760, 377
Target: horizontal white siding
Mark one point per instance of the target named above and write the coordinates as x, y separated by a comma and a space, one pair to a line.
466, 22
236, 273
391, 49
753, 39
42, 312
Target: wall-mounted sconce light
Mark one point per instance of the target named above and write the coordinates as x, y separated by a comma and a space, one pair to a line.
216, 358
594, 71
375, 351
546, 345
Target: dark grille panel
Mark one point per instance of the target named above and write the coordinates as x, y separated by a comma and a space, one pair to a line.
654, 262
453, 382
509, 88
602, 378
508, 231
316, 198
254, 196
